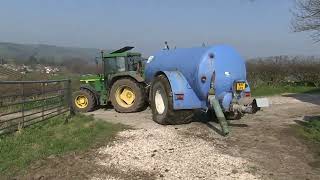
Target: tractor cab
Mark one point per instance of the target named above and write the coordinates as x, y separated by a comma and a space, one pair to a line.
122, 61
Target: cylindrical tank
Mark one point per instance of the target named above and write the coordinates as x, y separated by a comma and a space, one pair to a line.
199, 65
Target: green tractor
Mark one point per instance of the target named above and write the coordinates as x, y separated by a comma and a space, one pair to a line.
121, 84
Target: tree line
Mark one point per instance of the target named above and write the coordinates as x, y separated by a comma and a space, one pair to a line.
284, 70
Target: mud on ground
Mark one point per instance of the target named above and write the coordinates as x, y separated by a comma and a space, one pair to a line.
260, 146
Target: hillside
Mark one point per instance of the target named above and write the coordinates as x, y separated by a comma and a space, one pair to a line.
22, 52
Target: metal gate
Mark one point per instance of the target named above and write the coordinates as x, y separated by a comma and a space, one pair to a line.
24, 103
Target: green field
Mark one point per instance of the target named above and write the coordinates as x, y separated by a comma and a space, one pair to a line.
274, 90
52, 137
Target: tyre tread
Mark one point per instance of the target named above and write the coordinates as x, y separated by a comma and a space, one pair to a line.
91, 100
173, 117
140, 100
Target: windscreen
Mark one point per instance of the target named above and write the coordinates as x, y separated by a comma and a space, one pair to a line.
134, 62
115, 65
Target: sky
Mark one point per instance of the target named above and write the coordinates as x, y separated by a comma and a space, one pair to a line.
254, 28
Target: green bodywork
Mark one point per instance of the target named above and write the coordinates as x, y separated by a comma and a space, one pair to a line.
96, 82
116, 65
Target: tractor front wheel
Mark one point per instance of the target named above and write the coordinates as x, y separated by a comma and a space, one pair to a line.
127, 96
83, 101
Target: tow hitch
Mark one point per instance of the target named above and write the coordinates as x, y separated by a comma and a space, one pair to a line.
249, 105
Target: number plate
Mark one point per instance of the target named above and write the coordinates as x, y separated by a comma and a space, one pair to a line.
241, 86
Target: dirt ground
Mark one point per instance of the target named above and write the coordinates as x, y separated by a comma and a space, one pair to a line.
260, 146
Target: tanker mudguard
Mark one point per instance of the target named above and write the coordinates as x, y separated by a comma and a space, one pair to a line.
180, 87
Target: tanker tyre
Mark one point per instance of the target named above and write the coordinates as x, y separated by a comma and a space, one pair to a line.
162, 104
130, 105
83, 101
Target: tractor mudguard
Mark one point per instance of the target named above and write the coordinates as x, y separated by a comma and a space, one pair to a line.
183, 95
92, 90
132, 74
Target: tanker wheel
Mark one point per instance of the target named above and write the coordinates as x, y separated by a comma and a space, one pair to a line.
162, 104
127, 96
83, 101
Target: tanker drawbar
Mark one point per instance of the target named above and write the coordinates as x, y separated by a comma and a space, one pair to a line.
183, 80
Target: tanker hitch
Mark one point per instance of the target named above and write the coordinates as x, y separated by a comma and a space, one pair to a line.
248, 105
245, 108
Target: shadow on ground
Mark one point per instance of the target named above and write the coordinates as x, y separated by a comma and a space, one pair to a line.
212, 122
312, 96
306, 119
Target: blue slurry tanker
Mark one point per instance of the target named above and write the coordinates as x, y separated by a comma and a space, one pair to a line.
209, 78
176, 82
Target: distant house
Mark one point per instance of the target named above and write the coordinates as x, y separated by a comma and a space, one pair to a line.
48, 69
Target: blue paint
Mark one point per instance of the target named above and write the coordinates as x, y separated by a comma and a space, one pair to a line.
226, 99
191, 64
179, 85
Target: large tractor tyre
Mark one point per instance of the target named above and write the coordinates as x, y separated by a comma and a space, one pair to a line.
162, 104
128, 96
83, 101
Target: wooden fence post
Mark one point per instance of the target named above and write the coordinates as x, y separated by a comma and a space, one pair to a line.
22, 106
44, 101
69, 101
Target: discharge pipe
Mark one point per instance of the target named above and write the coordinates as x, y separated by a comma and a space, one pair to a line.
215, 105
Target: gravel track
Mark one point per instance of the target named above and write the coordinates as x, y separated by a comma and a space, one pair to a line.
196, 151
260, 146
170, 155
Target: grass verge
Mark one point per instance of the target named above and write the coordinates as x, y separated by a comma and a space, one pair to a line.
52, 137
309, 133
274, 90
310, 129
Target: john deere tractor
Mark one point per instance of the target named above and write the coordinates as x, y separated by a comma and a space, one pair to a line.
121, 84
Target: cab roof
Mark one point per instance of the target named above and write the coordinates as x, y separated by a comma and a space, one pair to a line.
123, 52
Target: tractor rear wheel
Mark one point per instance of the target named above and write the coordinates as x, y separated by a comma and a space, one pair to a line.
162, 104
83, 101
127, 96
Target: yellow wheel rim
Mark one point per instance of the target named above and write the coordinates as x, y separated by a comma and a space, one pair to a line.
81, 101
125, 96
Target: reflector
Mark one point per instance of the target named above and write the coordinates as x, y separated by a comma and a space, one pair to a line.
179, 96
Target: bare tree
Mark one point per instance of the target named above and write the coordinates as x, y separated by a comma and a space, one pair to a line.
307, 18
